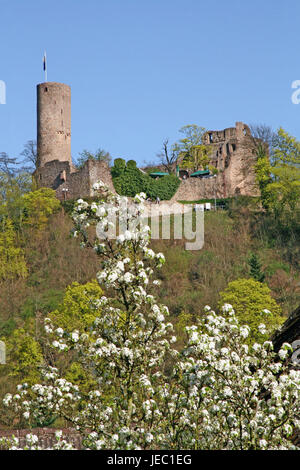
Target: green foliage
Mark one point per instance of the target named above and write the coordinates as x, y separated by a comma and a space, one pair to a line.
132, 181
24, 356
255, 268
164, 187
193, 136
81, 377
283, 191
118, 167
78, 309
12, 260
197, 158
12, 190
263, 173
182, 321
131, 164
39, 205
43, 303
193, 153
253, 305
213, 170
7, 327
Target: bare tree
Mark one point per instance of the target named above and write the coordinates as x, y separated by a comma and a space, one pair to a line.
263, 135
168, 156
100, 155
30, 155
8, 166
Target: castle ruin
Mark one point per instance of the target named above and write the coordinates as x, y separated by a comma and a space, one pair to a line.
232, 154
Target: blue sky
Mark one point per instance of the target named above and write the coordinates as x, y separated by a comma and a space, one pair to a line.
139, 70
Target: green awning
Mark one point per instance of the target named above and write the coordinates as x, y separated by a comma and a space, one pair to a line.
201, 173
159, 173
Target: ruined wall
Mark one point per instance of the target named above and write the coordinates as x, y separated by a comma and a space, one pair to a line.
232, 153
70, 183
193, 189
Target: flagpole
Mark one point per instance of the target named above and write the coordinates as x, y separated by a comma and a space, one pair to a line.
45, 66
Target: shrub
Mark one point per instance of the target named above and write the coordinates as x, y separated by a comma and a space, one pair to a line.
253, 305
130, 181
118, 168
164, 188
131, 164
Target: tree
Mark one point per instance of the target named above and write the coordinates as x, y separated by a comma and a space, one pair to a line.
263, 172
263, 138
189, 151
284, 190
8, 166
79, 307
277, 169
30, 154
168, 156
100, 156
221, 393
25, 356
255, 268
193, 153
12, 190
193, 136
12, 259
39, 205
253, 305
233, 394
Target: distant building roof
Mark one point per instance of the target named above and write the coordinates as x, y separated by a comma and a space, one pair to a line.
159, 173
201, 173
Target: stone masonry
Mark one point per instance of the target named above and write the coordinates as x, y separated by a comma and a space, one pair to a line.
53, 122
54, 163
232, 154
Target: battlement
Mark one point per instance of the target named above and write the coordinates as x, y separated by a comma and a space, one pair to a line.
239, 132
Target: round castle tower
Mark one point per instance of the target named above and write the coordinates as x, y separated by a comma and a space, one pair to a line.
53, 123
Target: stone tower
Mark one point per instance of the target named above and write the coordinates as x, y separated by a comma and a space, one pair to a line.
53, 123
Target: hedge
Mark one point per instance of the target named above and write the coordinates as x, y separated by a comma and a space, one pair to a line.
129, 180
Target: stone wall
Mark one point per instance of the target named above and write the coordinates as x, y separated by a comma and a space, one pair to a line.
193, 189
232, 153
46, 436
70, 183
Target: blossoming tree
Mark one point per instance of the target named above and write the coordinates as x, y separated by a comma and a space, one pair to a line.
221, 393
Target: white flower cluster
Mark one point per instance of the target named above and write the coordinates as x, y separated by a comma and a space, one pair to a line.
245, 396
32, 443
222, 394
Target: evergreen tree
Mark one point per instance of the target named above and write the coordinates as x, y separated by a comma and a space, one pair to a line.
255, 268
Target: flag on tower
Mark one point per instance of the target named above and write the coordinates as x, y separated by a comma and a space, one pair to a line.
45, 65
